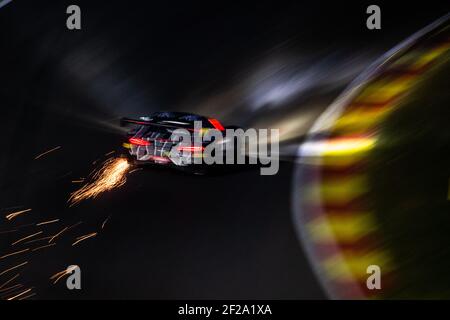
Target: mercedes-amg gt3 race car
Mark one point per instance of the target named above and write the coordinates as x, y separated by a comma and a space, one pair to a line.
154, 140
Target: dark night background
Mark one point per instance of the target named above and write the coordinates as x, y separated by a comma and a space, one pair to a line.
171, 235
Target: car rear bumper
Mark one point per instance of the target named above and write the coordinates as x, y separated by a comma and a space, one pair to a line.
142, 156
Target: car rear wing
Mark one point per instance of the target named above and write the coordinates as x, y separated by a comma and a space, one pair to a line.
126, 121
213, 122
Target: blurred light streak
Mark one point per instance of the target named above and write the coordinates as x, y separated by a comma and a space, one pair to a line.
5, 292
57, 276
13, 253
27, 296
347, 227
9, 281
342, 146
335, 208
104, 222
38, 239
47, 152
13, 268
4, 3
85, 237
15, 214
44, 246
353, 266
47, 222
20, 294
64, 230
285, 78
58, 234
27, 237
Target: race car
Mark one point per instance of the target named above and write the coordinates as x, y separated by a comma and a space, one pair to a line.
154, 140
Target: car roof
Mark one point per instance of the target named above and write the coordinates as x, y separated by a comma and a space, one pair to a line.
181, 116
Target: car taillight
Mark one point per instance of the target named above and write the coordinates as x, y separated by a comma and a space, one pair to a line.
216, 124
191, 148
139, 142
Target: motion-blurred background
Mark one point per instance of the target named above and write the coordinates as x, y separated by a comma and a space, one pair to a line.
262, 64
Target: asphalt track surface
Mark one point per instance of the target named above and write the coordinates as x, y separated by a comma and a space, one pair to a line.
167, 234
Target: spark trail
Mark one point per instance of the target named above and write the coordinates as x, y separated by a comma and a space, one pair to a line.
111, 175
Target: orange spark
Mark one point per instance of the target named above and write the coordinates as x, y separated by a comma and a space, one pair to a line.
57, 276
15, 214
28, 296
38, 239
20, 294
27, 237
82, 238
13, 268
58, 234
9, 281
104, 222
47, 152
5, 291
47, 222
64, 230
111, 175
44, 246
14, 253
